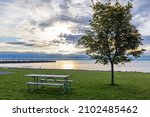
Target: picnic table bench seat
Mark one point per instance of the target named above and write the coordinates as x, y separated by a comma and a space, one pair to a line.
41, 83
57, 81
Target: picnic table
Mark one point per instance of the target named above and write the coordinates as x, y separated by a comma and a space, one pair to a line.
42, 79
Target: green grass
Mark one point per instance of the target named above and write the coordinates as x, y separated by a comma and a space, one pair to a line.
87, 85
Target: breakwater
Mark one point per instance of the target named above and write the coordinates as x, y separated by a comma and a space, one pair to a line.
25, 61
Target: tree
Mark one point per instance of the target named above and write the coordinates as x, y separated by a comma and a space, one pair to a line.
112, 37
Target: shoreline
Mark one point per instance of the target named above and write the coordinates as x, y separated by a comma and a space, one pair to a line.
70, 69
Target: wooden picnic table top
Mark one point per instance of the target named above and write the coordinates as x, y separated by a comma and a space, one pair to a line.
47, 75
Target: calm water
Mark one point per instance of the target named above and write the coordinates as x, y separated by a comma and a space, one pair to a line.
139, 66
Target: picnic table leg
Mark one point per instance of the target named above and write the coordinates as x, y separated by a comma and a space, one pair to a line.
65, 85
42, 82
29, 90
37, 81
34, 80
60, 91
69, 86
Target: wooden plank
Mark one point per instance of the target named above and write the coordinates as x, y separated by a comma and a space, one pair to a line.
48, 84
64, 80
47, 76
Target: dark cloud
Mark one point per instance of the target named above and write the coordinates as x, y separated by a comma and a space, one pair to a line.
34, 2
47, 1
81, 20
42, 44
20, 43
32, 30
72, 38
63, 51
66, 13
44, 24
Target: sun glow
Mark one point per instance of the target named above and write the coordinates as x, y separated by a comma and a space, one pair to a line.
53, 32
68, 66
66, 48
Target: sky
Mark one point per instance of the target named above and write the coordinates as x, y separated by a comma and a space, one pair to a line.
54, 26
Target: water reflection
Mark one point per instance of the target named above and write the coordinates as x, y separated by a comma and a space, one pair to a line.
142, 66
67, 65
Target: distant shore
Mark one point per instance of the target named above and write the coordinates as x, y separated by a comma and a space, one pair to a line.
25, 61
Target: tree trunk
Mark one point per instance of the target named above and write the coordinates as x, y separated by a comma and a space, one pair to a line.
112, 73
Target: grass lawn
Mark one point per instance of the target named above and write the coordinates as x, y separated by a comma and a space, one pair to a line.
86, 85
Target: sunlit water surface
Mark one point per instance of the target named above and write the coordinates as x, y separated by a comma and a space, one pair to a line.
139, 66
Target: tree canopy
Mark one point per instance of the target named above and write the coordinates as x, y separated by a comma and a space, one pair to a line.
112, 38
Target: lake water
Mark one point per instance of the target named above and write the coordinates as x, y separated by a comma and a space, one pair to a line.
138, 66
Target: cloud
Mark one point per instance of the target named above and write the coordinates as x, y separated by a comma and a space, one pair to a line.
19, 43
46, 19
141, 16
54, 26
40, 24
146, 43
39, 43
